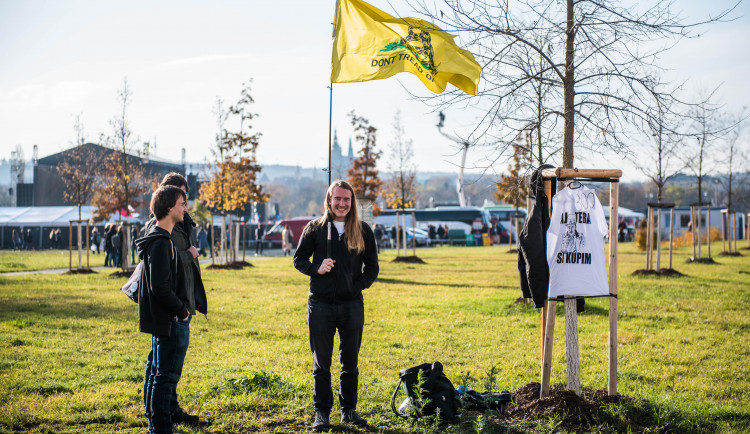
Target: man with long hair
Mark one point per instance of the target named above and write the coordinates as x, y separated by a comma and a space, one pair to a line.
344, 263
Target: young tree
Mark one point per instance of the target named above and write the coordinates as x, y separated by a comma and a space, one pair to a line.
732, 153
124, 182
234, 171
363, 175
401, 189
79, 171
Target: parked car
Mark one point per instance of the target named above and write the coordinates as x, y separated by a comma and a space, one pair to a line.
420, 235
272, 238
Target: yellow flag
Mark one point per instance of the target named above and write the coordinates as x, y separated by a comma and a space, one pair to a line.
369, 44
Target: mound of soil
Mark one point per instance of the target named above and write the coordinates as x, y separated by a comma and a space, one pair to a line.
237, 265
663, 272
122, 273
513, 251
80, 271
409, 260
730, 254
573, 409
701, 261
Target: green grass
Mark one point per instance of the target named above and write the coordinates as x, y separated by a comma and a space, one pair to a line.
43, 259
72, 360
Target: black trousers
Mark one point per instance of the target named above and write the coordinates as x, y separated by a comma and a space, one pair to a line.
323, 320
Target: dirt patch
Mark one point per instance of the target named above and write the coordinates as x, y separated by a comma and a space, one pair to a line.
409, 260
571, 408
237, 265
668, 272
80, 271
121, 273
701, 261
730, 254
513, 251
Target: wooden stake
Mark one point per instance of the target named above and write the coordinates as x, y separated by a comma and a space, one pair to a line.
70, 245
708, 229
614, 193
547, 357
692, 228
724, 232
658, 240
649, 231
88, 244
671, 231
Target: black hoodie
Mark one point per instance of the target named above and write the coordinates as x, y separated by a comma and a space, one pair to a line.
164, 295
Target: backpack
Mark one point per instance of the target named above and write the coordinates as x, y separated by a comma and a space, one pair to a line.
428, 391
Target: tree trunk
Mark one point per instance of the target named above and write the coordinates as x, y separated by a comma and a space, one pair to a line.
569, 89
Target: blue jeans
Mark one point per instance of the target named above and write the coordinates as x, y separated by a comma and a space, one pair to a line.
163, 371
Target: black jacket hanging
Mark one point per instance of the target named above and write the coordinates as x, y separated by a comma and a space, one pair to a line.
532, 253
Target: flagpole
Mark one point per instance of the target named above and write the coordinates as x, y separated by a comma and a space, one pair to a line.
330, 122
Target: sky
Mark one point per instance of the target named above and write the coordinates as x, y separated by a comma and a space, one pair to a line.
66, 58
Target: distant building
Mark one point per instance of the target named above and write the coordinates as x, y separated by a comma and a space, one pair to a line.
340, 163
47, 188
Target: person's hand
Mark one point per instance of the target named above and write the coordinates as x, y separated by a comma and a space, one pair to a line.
193, 251
187, 317
326, 266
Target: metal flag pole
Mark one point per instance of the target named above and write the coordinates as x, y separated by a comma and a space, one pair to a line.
330, 122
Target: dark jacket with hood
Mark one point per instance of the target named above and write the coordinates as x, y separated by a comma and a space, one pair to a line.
532, 242
163, 295
347, 279
183, 236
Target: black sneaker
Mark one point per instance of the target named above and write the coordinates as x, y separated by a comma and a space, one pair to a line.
351, 416
321, 422
179, 415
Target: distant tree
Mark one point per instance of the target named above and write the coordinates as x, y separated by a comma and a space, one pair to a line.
234, 170
363, 175
123, 177
731, 154
79, 170
401, 189
706, 130
513, 188
659, 157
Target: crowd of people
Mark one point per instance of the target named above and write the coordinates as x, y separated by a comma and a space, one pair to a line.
22, 240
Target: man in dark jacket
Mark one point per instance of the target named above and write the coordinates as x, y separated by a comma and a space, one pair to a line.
163, 308
337, 279
183, 237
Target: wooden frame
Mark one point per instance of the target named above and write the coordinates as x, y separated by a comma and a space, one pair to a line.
571, 322
79, 236
650, 229
728, 230
696, 220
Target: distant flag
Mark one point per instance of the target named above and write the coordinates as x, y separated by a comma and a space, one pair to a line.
369, 44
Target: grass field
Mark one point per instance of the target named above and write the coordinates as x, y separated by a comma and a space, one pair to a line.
43, 259
71, 359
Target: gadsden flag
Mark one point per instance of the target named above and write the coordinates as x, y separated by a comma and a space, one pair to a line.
369, 44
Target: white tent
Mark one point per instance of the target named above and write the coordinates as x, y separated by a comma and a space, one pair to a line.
51, 216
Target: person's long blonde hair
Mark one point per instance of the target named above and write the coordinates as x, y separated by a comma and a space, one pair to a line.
352, 225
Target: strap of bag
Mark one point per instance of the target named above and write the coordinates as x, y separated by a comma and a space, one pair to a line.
393, 399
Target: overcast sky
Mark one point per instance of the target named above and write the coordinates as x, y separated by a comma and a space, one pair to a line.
62, 58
